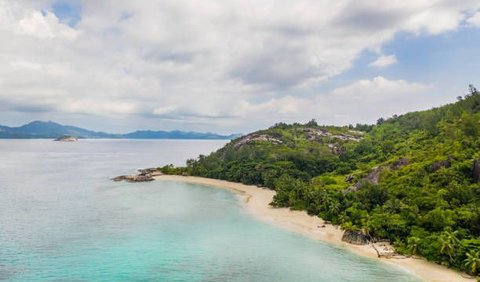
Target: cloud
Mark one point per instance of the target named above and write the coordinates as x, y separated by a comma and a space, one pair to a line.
212, 61
378, 88
44, 25
474, 20
361, 101
384, 61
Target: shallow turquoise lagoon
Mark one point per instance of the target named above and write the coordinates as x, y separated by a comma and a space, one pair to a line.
62, 219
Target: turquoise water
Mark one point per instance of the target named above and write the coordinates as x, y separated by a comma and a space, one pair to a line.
62, 219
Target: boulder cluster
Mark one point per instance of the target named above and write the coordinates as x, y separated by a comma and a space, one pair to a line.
144, 175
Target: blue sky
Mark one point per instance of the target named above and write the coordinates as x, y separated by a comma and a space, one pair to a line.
450, 61
68, 12
231, 66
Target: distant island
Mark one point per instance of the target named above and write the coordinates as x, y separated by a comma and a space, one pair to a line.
66, 138
52, 130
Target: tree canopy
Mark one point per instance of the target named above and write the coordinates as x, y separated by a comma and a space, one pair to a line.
412, 178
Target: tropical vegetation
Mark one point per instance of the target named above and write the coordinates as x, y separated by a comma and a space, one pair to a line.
412, 179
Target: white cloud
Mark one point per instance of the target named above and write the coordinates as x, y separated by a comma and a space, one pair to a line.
384, 61
206, 62
474, 20
378, 88
43, 26
362, 101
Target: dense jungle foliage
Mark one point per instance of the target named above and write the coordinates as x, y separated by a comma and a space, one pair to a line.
412, 179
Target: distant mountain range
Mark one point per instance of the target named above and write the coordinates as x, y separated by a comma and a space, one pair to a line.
47, 130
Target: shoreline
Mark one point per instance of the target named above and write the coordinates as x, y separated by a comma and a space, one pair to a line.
256, 201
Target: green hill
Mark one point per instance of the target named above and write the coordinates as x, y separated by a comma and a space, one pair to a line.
49, 130
412, 179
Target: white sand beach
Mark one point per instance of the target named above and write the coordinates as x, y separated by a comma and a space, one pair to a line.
256, 202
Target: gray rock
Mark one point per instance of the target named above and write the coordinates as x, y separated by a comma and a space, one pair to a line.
145, 171
355, 237
144, 175
140, 178
119, 178
438, 165
399, 163
373, 178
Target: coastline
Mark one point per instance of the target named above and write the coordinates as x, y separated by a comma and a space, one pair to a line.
256, 202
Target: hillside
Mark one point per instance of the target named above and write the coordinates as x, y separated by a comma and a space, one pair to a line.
51, 130
412, 179
40, 129
302, 151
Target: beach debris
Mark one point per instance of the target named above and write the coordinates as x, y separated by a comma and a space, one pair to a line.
384, 249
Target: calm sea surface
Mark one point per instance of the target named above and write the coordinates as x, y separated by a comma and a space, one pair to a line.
62, 219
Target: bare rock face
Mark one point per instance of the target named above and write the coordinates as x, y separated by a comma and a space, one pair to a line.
373, 178
251, 138
438, 165
315, 134
399, 163
476, 170
355, 237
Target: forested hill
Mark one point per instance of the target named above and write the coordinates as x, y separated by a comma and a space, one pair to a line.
50, 130
412, 179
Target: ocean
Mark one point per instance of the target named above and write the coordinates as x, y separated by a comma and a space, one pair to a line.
63, 219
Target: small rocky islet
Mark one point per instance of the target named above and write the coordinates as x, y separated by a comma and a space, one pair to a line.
66, 138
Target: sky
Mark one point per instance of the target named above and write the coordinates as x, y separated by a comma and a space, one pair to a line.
232, 66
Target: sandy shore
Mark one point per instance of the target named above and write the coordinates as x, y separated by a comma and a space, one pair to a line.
256, 202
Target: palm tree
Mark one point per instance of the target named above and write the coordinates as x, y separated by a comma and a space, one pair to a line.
413, 245
472, 262
334, 208
449, 242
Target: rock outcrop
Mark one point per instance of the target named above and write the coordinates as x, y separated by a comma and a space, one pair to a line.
438, 165
144, 175
133, 178
355, 237
149, 171
399, 163
251, 138
315, 134
374, 176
